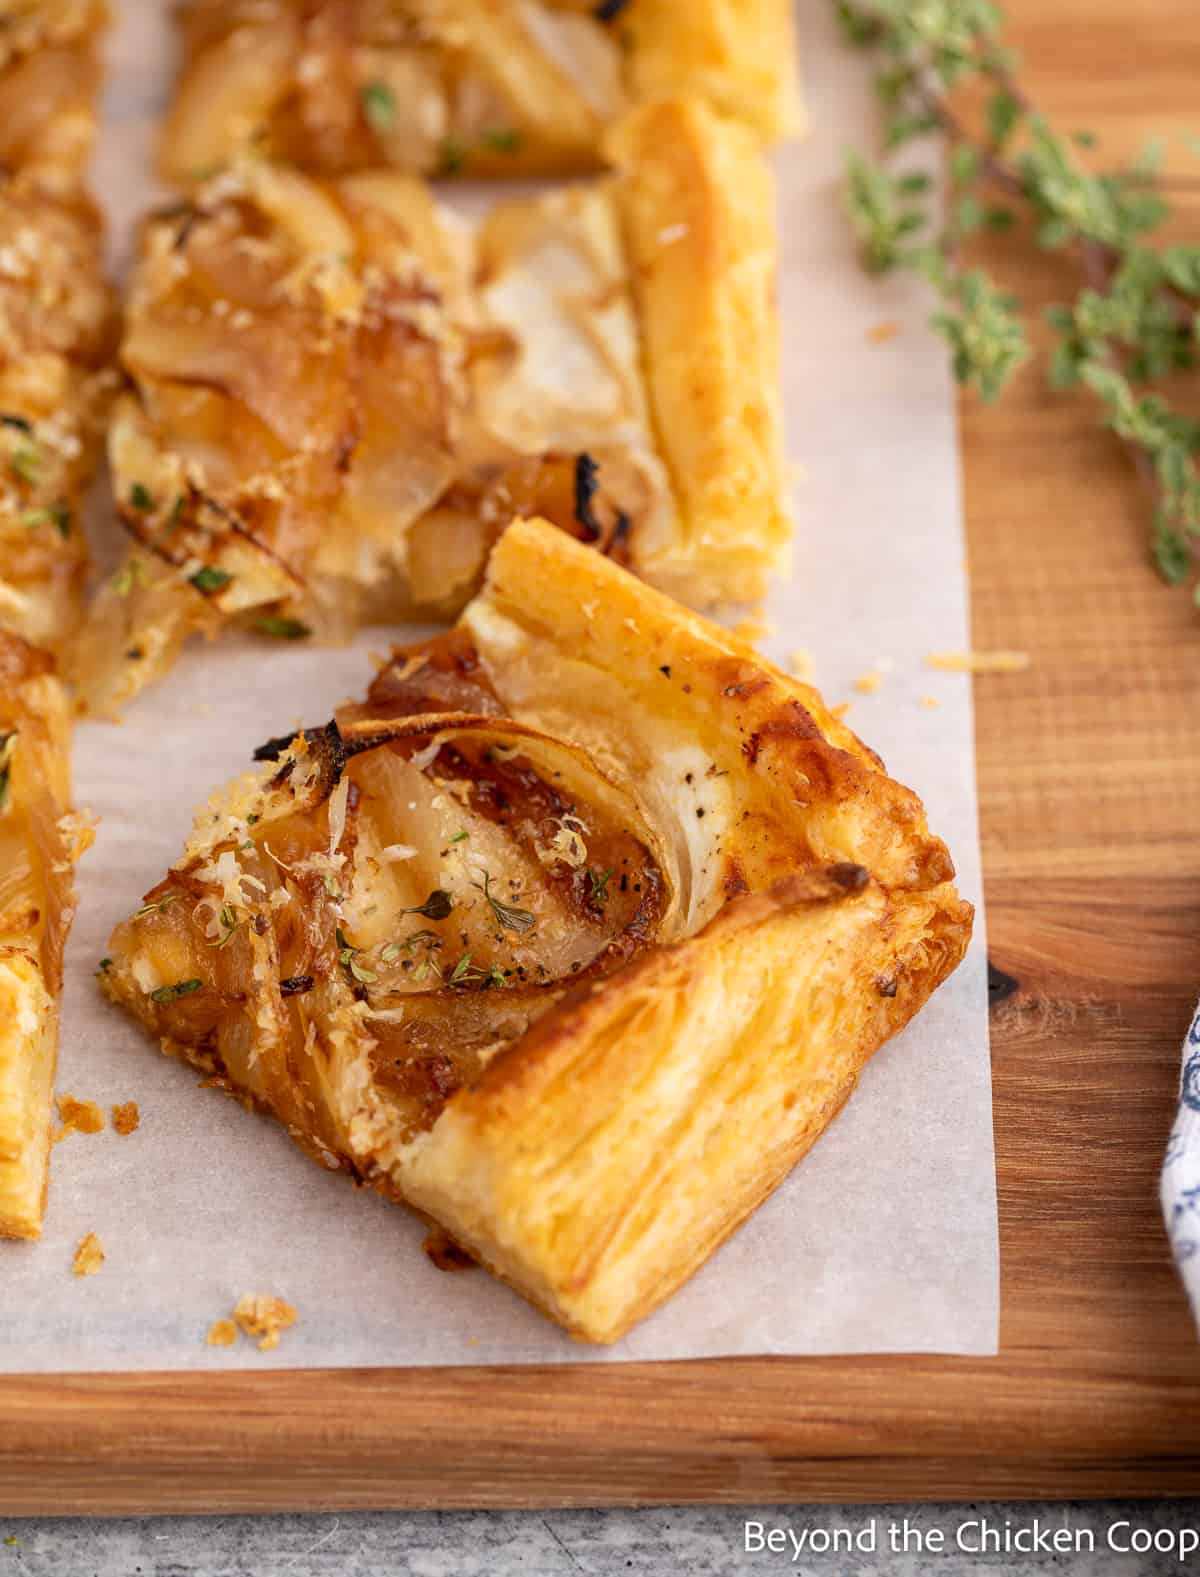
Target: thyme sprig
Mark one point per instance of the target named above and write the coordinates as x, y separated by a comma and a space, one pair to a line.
507, 915
1135, 319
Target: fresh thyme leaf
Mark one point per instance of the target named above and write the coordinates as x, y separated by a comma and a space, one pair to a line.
349, 959
1134, 319
157, 906
507, 914
379, 105
436, 907
56, 515
26, 462
228, 922
20, 424
394, 950
458, 837
462, 970
207, 579
599, 885
282, 629
104, 967
141, 498
181, 988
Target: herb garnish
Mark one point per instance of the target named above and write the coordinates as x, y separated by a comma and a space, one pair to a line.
599, 883
281, 629
181, 988
379, 105
104, 966
348, 957
156, 906
1131, 324
436, 907
207, 578
466, 973
141, 498
458, 837
507, 915
21, 423
392, 951
26, 462
56, 515
228, 921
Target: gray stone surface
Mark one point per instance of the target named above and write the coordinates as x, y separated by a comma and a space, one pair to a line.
696, 1541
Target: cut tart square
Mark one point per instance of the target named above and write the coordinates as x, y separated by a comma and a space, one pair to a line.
49, 78
573, 937
461, 87
39, 844
57, 321
342, 393
56, 332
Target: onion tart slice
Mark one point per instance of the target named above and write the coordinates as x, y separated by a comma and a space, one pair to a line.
461, 87
574, 936
341, 395
39, 844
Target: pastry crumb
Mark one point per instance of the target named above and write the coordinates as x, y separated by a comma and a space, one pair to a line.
839, 711
880, 333
126, 1118
83, 1116
264, 1317
445, 1253
802, 665
221, 1333
930, 701
89, 1256
869, 682
999, 662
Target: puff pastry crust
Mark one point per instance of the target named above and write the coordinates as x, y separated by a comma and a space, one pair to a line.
39, 844
342, 395
574, 936
449, 87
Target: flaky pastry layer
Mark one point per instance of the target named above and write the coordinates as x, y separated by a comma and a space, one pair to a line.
574, 936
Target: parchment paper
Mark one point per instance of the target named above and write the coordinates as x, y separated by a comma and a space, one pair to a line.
884, 1239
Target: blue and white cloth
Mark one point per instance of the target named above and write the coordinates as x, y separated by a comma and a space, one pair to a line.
1180, 1186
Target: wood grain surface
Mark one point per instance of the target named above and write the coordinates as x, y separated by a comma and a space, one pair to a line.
1090, 781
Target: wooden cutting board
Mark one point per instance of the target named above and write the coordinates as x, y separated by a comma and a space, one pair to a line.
1090, 782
